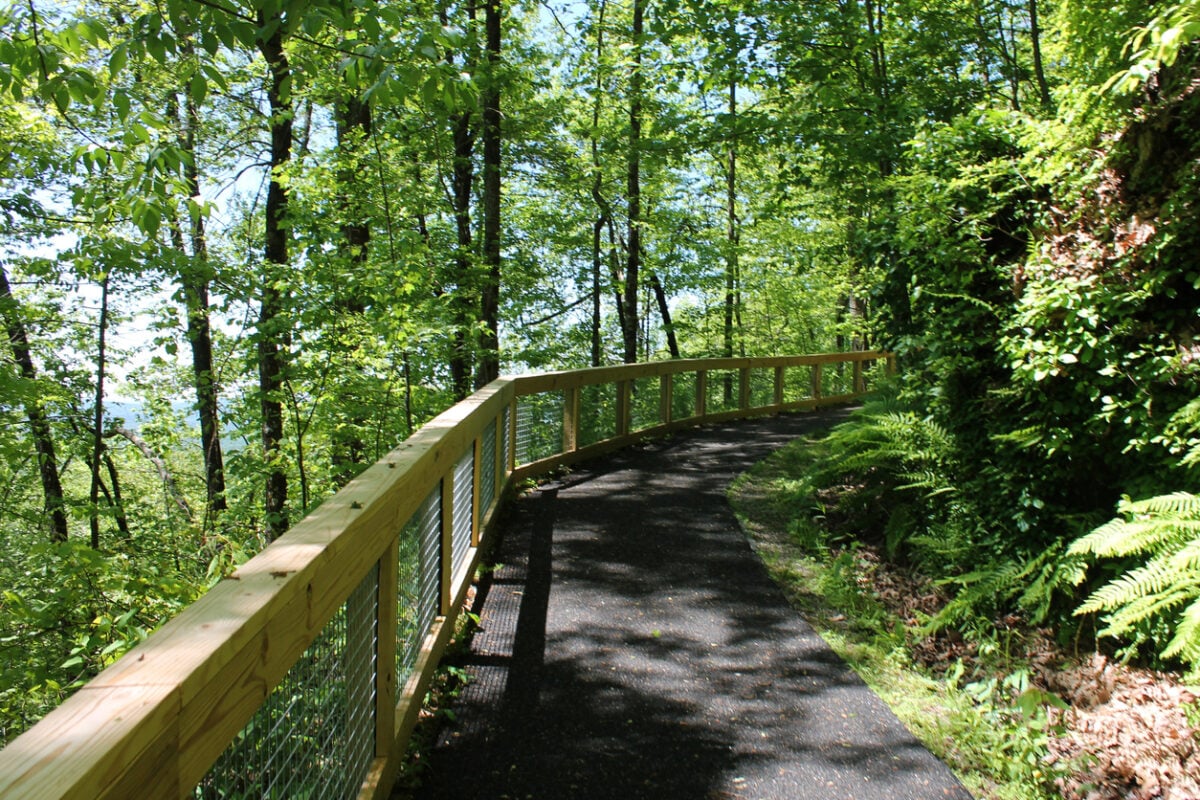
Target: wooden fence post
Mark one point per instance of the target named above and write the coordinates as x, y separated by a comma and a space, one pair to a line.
385, 653
570, 435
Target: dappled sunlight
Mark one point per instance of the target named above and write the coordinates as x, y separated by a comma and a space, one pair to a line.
632, 645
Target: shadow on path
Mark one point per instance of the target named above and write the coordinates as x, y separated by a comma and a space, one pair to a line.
631, 645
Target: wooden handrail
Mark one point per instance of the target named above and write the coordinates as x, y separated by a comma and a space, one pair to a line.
153, 723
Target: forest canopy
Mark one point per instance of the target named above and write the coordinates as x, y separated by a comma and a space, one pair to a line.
250, 245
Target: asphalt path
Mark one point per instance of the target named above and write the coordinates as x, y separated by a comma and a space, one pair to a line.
631, 645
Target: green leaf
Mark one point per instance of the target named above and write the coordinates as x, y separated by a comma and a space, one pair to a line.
198, 88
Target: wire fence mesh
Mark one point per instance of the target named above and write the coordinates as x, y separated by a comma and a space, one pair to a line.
539, 426
464, 505
722, 390
597, 413
487, 469
762, 387
683, 396
644, 396
417, 585
314, 736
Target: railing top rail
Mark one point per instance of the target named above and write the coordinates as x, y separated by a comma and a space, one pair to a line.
533, 383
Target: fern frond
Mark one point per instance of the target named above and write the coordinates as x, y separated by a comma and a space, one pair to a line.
1144, 609
1186, 644
1153, 578
1178, 505
1152, 525
1165, 531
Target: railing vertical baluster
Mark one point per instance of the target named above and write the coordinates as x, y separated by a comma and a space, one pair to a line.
385, 643
666, 391
744, 388
816, 383
859, 387
446, 565
779, 382
891, 366
701, 393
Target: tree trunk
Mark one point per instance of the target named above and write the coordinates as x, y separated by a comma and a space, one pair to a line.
39, 425
195, 282
664, 310
354, 129
160, 466
731, 242
489, 298
271, 322
98, 418
634, 190
462, 304
604, 210
1039, 71
115, 499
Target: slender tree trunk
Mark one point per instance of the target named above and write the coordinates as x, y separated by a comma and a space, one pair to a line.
634, 190
39, 425
1039, 71
489, 298
462, 300
664, 310
98, 418
115, 500
354, 129
732, 237
195, 282
160, 466
271, 322
880, 81
604, 215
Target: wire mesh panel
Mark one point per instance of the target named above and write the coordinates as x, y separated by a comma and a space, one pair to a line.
464, 480
644, 397
539, 426
797, 384
874, 372
487, 469
722, 390
683, 396
762, 387
837, 379
314, 736
417, 584
597, 413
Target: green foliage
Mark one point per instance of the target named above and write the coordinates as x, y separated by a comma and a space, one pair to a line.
1034, 585
899, 478
1009, 730
1157, 44
1156, 603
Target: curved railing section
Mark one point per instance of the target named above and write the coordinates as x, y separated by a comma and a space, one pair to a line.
303, 672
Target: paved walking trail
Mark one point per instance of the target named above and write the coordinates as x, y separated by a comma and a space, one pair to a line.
633, 646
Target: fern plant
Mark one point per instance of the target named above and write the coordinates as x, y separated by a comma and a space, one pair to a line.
1164, 590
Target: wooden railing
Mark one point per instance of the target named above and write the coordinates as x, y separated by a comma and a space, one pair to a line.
303, 672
